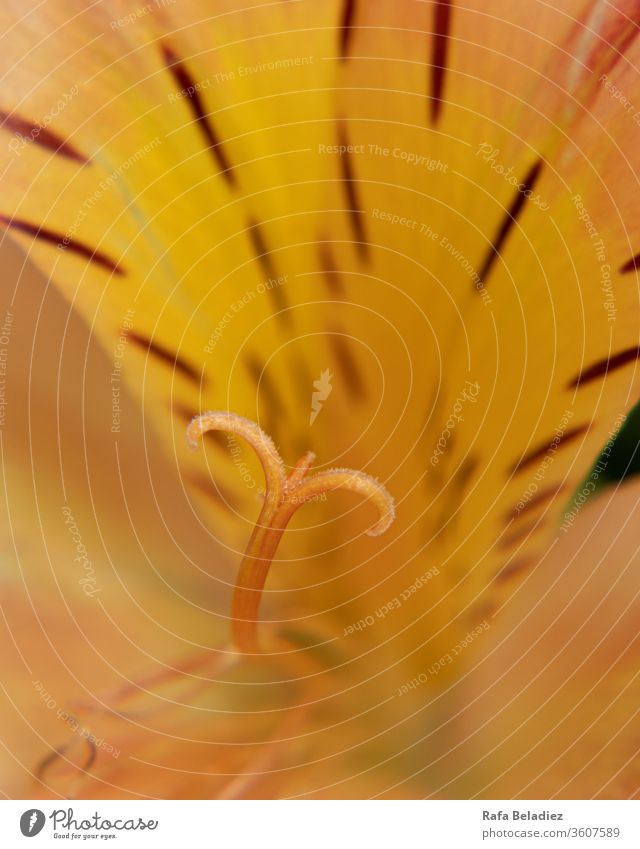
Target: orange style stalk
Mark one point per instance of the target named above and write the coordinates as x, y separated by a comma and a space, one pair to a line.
284, 494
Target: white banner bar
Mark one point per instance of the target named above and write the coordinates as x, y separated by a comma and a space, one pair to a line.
321, 824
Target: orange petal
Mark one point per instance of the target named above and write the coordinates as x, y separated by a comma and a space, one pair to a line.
547, 705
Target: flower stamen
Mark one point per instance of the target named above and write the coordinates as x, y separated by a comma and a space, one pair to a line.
300, 470
283, 496
270, 460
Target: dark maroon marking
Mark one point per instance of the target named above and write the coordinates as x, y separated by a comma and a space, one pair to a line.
509, 220
186, 83
327, 263
603, 367
44, 235
92, 756
541, 497
465, 473
185, 413
521, 533
36, 134
52, 757
348, 365
632, 265
564, 439
458, 484
346, 27
263, 255
267, 386
166, 356
513, 569
441, 23
350, 184
262, 252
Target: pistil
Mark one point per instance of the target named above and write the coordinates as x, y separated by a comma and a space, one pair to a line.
283, 496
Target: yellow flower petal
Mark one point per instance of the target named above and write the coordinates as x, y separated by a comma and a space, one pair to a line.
436, 205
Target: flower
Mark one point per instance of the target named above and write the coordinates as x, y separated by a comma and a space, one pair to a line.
398, 236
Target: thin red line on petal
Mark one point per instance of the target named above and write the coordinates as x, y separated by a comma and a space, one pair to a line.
441, 24
36, 134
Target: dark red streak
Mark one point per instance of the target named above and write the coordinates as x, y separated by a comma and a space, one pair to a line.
61, 242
